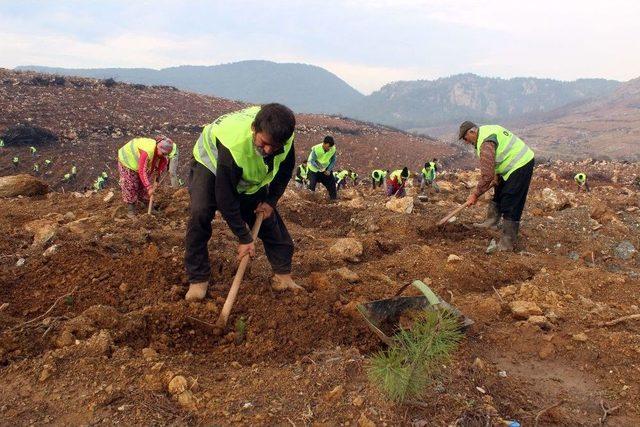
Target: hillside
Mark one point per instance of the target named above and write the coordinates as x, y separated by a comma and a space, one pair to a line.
305, 88
603, 128
435, 107
93, 119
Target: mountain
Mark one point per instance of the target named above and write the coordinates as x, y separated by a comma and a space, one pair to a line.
303, 87
604, 128
434, 106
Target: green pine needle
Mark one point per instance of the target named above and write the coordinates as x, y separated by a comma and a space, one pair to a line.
406, 368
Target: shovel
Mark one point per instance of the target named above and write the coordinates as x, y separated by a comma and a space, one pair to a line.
156, 184
383, 316
237, 280
452, 214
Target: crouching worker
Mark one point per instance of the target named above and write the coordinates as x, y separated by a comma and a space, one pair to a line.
242, 164
138, 160
396, 182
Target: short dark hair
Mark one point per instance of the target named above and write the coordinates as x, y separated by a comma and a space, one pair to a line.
405, 171
329, 140
277, 120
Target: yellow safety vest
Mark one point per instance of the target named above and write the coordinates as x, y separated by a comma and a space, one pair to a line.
129, 154
511, 153
323, 158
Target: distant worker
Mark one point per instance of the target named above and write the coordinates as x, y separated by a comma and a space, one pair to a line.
66, 177
1, 142
33, 150
428, 176
105, 176
341, 179
581, 180
74, 170
396, 182
302, 174
243, 162
36, 168
377, 177
321, 160
354, 177
506, 162
47, 163
173, 166
15, 161
138, 160
98, 184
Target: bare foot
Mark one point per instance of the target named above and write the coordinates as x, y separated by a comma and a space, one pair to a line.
283, 282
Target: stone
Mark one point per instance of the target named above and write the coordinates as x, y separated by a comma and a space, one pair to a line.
400, 205
20, 262
177, 385
625, 250
453, 258
581, 337
347, 249
153, 382
363, 421
22, 185
348, 275
108, 197
69, 216
65, 339
47, 370
355, 203
540, 321
99, 344
350, 310
149, 354
187, 400
334, 394
554, 201
51, 250
523, 309
43, 230
478, 365
546, 351
358, 401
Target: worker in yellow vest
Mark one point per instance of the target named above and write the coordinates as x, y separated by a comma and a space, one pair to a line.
378, 176
506, 162
428, 175
243, 162
396, 182
581, 180
138, 160
341, 178
302, 173
321, 161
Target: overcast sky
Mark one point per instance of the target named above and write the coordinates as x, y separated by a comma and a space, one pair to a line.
366, 43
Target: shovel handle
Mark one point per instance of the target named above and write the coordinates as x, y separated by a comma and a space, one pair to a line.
452, 214
235, 286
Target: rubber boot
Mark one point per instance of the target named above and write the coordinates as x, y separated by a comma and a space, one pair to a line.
509, 236
131, 210
493, 217
283, 282
197, 291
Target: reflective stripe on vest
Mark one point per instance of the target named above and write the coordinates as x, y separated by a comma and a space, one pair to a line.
397, 174
511, 152
322, 158
173, 152
234, 131
304, 171
378, 174
581, 178
342, 174
129, 154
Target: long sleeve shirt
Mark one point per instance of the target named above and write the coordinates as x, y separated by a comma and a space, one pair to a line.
487, 165
228, 175
158, 164
314, 162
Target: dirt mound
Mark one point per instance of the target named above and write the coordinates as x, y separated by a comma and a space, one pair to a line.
22, 134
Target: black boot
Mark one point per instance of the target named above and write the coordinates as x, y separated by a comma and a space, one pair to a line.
509, 236
493, 217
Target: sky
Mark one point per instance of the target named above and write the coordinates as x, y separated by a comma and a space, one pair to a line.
366, 43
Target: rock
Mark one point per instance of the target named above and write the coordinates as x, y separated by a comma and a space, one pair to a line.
334, 394
99, 344
581, 337
69, 216
554, 201
149, 354
363, 421
22, 185
20, 262
46, 372
524, 309
453, 258
355, 203
177, 385
445, 186
153, 382
187, 400
540, 321
625, 250
321, 281
65, 339
478, 365
546, 351
358, 401
108, 197
43, 230
493, 246
347, 248
51, 250
400, 205
348, 275
350, 310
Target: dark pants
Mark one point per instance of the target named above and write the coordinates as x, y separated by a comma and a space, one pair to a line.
327, 180
511, 195
378, 183
278, 244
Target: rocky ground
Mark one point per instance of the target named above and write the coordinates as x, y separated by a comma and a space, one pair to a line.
94, 328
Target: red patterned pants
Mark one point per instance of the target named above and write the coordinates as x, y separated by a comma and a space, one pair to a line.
131, 185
